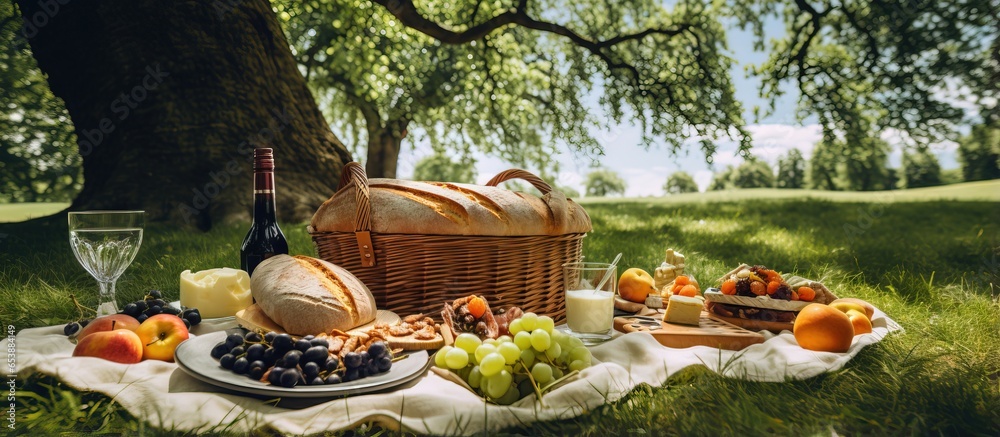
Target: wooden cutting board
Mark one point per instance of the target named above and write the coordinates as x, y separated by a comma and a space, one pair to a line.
712, 332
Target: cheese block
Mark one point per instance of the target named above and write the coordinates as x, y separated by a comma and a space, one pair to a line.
216, 292
684, 310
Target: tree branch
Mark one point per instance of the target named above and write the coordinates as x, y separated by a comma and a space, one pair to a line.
409, 16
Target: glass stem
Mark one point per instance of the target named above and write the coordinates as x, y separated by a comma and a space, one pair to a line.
106, 303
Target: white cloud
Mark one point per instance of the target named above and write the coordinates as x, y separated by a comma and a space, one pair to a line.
773, 140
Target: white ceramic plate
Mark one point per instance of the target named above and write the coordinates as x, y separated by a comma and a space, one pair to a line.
194, 357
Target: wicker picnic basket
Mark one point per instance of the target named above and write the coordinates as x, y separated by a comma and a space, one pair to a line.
417, 245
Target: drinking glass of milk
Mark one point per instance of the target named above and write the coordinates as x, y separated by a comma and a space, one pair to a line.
590, 312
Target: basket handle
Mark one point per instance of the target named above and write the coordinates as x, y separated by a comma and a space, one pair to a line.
354, 174
555, 199
516, 173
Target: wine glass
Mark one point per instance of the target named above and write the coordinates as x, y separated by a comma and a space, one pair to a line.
105, 243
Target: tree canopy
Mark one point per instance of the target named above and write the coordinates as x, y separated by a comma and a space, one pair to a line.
603, 182
979, 153
440, 167
680, 182
862, 67
509, 78
920, 169
38, 157
791, 170
753, 173
517, 78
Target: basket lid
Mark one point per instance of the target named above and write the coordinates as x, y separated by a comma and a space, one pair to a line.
397, 206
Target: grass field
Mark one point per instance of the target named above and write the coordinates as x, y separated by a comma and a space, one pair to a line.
19, 212
933, 265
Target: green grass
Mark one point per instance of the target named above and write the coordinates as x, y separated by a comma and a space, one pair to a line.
19, 212
933, 265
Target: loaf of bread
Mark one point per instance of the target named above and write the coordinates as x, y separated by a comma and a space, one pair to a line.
307, 296
443, 208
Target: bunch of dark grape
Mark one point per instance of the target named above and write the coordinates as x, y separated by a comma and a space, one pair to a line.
151, 304
288, 362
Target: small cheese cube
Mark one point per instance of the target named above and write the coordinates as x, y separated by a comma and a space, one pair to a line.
684, 310
216, 292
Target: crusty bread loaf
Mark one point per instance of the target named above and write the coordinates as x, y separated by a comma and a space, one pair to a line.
310, 296
443, 208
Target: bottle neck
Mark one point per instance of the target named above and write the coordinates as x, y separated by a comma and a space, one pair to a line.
263, 197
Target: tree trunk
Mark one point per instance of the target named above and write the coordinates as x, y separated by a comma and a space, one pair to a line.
168, 100
384, 143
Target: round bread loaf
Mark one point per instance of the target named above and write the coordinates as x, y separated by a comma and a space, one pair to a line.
307, 296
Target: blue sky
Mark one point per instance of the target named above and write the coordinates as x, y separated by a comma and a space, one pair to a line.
645, 171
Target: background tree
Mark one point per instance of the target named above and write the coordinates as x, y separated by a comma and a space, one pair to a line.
169, 99
920, 169
863, 67
823, 166
568, 191
505, 78
753, 173
38, 157
680, 182
231, 70
722, 180
440, 167
979, 153
791, 170
951, 176
863, 165
603, 183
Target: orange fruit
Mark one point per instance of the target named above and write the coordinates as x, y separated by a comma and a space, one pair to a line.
807, 294
688, 290
822, 328
862, 325
728, 287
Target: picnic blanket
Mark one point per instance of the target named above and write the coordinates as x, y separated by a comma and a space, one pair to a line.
166, 397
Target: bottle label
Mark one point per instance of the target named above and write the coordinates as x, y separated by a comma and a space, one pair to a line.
263, 191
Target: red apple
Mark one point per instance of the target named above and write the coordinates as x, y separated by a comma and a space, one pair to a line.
108, 323
119, 345
160, 335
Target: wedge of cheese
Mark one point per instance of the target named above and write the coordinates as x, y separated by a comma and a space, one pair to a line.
684, 310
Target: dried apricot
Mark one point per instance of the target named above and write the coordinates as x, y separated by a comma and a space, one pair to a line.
728, 287
688, 290
806, 294
758, 288
772, 287
795, 296
682, 280
477, 307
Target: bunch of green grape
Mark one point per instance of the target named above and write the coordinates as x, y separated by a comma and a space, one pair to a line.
509, 368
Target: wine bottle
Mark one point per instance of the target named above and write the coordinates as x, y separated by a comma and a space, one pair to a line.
264, 238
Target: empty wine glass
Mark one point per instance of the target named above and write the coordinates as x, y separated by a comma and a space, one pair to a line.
105, 243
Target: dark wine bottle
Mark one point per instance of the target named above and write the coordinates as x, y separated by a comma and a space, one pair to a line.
264, 238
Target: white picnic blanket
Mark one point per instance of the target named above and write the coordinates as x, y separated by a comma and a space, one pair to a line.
167, 397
